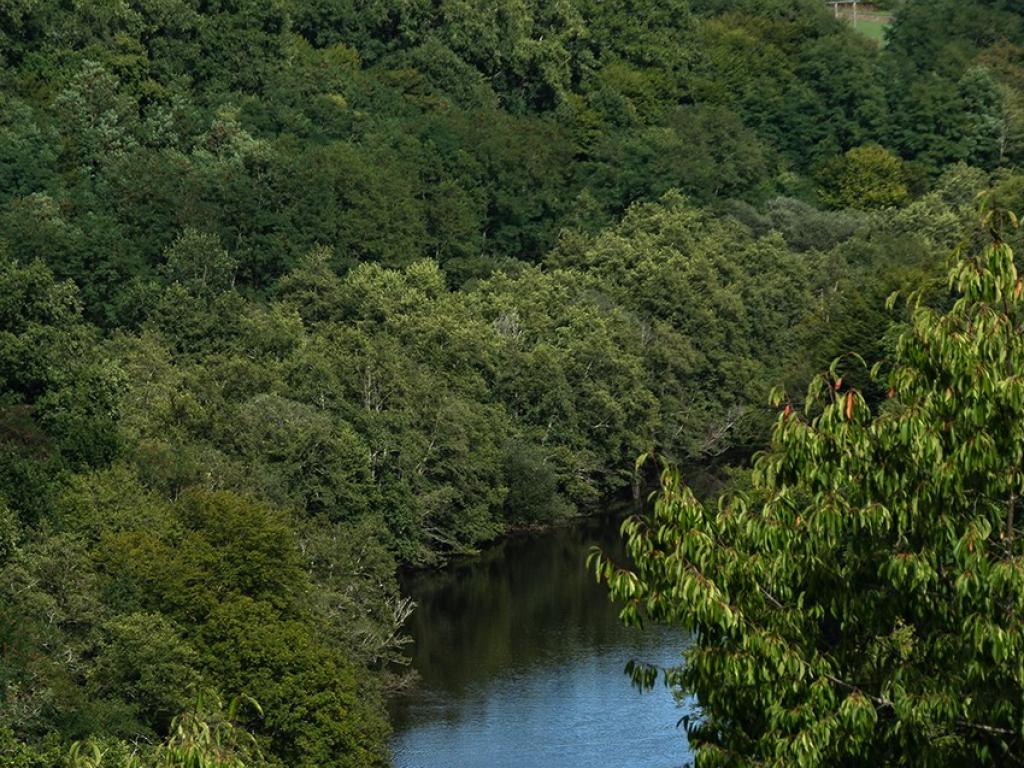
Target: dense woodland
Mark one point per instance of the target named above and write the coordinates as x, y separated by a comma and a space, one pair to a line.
295, 292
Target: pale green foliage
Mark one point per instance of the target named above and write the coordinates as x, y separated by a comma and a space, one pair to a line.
97, 117
941, 216
865, 177
353, 587
863, 605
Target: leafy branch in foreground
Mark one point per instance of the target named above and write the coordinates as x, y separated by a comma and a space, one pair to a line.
207, 736
862, 605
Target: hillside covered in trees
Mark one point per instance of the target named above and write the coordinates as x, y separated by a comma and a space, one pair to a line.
294, 292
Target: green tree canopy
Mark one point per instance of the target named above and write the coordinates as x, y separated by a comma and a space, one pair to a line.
862, 605
865, 177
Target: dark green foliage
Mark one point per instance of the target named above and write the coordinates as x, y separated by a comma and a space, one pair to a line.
533, 494
144, 660
945, 34
57, 393
316, 712
153, 604
705, 151
41, 329
293, 293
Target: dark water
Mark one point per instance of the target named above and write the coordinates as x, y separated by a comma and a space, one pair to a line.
521, 658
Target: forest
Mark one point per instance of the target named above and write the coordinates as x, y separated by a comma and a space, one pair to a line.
294, 293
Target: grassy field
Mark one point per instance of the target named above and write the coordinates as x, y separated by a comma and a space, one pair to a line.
873, 29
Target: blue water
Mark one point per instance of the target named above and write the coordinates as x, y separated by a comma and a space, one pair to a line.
521, 660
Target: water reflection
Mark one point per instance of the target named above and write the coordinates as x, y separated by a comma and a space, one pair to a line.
521, 658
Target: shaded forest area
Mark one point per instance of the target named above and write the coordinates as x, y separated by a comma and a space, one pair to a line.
294, 292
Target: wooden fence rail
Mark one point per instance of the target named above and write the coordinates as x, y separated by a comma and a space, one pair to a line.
859, 11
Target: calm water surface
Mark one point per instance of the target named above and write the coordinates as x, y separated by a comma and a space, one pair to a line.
521, 658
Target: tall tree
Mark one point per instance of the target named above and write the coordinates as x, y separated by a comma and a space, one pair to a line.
863, 605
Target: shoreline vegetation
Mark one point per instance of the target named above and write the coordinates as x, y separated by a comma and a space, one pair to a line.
863, 529
295, 294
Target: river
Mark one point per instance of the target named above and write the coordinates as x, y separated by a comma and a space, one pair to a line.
521, 660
